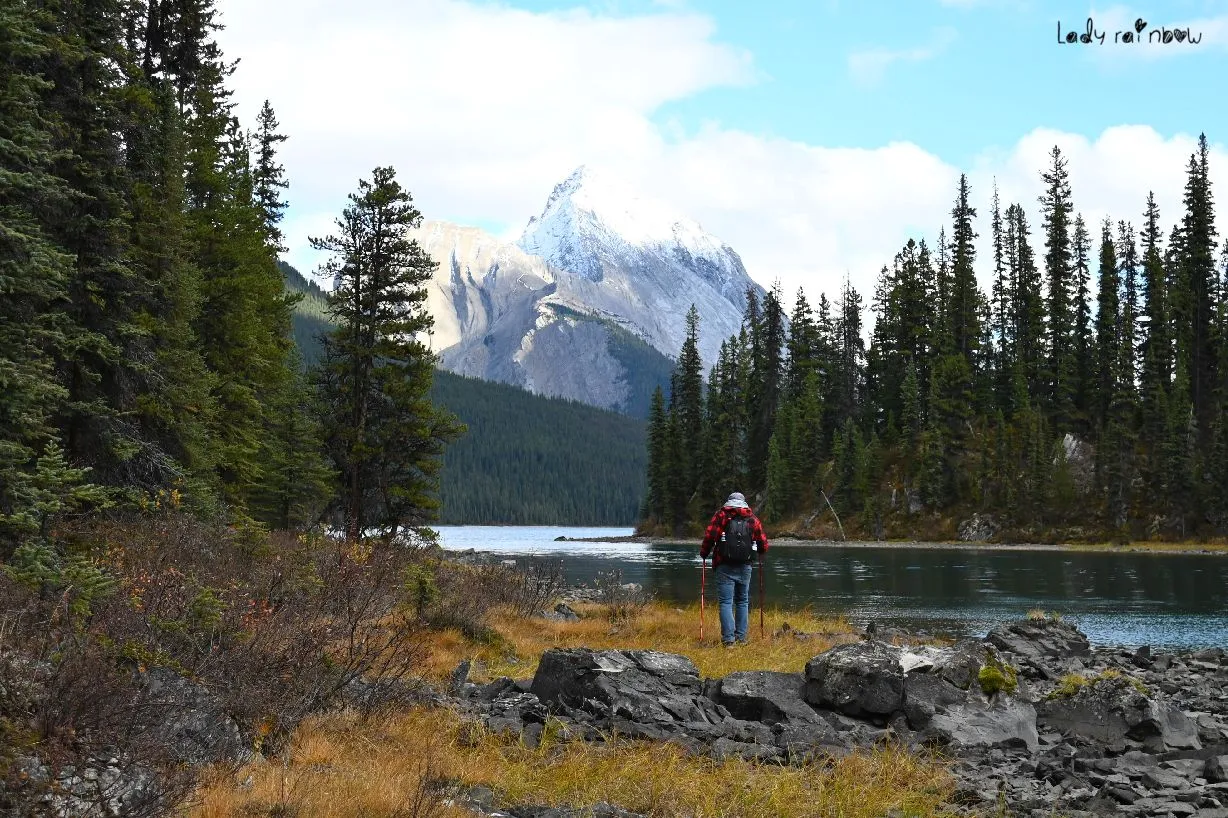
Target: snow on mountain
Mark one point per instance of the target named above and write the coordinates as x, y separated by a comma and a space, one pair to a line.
651, 263
594, 206
559, 312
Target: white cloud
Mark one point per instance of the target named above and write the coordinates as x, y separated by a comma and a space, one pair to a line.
808, 215
477, 106
869, 66
484, 109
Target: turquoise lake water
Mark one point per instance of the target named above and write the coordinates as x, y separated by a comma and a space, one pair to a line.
1163, 600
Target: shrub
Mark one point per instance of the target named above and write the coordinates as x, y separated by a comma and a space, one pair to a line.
624, 602
463, 596
273, 627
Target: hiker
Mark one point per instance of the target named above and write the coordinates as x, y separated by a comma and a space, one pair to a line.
733, 538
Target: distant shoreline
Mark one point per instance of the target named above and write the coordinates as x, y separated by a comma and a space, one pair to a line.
1209, 549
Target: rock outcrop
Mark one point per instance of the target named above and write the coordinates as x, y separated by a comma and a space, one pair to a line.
1032, 714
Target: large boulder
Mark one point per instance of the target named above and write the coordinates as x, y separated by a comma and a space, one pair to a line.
978, 528
1111, 709
861, 679
979, 721
968, 695
641, 686
963, 695
766, 696
1040, 642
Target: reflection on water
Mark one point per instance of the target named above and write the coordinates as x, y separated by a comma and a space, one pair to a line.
1163, 600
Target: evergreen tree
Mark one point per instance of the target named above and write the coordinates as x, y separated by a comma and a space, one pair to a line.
688, 399
782, 481
1196, 344
102, 359
297, 483
1057, 208
941, 332
849, 356
676, 494
768, 370
177, 409
964, 321
33, 271
1108, 328
1029, 355
1084, 352
1003, 309
807, 441
1156, 343
654, 498
1127, 259
382, 432
911, 418
802, 345
268, 176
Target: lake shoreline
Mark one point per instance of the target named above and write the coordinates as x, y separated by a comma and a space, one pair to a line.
1207, 549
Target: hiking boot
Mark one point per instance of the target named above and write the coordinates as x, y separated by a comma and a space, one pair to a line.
728, 644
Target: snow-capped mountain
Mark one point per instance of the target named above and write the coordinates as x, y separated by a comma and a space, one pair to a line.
655, 261
590, 302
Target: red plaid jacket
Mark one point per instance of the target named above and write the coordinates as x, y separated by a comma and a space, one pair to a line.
713, 534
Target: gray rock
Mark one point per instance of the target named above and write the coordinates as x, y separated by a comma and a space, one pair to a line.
1040, 640
460, 676
1163, 779
961, 664
766, 696
1215, 769
189, 721
724, 748
805, 741
1004, 721
926, 694
978, 528
1111, 710
865, 678
636, 685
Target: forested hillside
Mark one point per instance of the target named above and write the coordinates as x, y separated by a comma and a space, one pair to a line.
309, 322
532, 460
1086, 395
525, 459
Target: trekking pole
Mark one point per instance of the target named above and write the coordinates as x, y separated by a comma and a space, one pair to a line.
761, 632
703, 570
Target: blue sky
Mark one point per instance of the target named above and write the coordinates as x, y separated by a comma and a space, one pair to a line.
813, 137
956, 77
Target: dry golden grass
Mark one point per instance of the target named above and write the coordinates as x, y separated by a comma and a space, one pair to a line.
666, 628
384, 769
1216, 546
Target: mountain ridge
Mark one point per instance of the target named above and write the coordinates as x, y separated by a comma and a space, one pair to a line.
590, 302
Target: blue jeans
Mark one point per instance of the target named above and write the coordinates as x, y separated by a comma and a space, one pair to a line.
733, 596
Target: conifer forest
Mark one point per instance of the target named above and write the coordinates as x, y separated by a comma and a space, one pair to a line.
146, 349
1085, 396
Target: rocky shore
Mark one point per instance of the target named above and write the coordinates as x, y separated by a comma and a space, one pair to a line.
1035, 721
